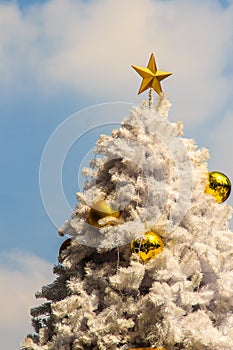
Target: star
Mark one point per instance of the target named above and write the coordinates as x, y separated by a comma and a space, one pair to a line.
151, 76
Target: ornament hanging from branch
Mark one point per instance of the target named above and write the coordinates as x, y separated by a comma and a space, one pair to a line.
64, 246
149, 247
101, 210
219, 186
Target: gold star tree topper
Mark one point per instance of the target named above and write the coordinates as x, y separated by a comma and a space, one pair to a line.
151, 76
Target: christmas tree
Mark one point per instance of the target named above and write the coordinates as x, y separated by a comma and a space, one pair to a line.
149, 259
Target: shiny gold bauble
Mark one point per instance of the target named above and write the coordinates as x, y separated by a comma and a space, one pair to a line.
219, 186
149, 247
100, 210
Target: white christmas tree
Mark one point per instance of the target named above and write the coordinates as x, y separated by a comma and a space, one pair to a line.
149, 261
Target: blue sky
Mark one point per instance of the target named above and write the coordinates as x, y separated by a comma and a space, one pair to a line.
60, 56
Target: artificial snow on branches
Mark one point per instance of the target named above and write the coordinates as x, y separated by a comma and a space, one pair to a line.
105, 297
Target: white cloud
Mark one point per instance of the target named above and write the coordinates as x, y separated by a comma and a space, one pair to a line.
90, 46
223, 132
21, 275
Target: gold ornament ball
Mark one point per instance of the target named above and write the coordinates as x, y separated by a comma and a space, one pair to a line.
100, 210
149, 247
219, 186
